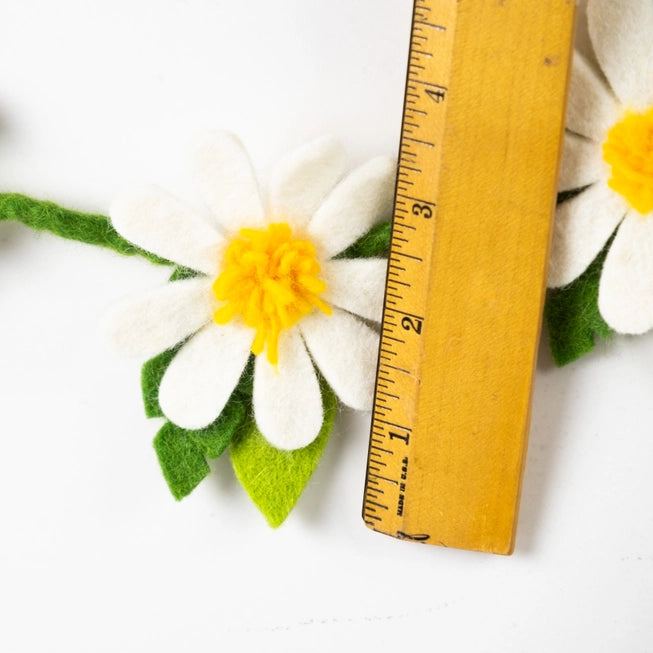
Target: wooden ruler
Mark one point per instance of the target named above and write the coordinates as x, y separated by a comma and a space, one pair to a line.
481, 136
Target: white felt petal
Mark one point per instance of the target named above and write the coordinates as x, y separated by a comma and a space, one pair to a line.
150, 324
358, 202
357, 285
622, 36
226, 179
591, 109
301, 181
582, 163
346, 353
626, 287
287, 400
153, 219
203, 374
583, 226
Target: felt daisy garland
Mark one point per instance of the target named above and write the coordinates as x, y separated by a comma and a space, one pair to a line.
268, 316
271, 311
602, 258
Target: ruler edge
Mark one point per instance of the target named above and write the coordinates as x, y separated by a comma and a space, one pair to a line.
385, 291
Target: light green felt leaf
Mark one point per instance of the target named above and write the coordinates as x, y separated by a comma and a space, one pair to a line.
73, 225
572, 315
275, 479
375, 243
181, 458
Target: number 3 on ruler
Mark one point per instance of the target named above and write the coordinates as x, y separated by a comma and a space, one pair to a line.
423, 210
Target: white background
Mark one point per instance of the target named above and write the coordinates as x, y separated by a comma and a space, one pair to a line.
95, 555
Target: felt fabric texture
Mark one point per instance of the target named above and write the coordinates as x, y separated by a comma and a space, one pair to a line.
583, 225
572, 316
369, 276
225, 176
301, 181
375, 243
151, 374
346, 351
366, 193
270, 279
203, 374
182, 454
179, 234
160, 319
180, 273
73, 225
591, 107
626, 290
581, 165
181, 459
279, 389
273, 478
191, 393
621, 37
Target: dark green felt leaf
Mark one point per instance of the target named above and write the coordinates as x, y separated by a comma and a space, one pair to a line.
275, 479
180, 450
182, 454
215, 438
572, 315
73, 225
180, 273
375, 243
181, 458
151, 374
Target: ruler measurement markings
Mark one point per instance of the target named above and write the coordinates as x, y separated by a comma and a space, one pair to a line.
404, 267
388, 394
376, 503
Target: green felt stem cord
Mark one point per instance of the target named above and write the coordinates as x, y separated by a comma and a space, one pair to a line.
72, 225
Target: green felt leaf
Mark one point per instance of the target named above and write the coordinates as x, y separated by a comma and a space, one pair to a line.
275, 479
151, 374
181, 458
182, 454
572, 315
180, 273
376, 242
215, 438
73, 225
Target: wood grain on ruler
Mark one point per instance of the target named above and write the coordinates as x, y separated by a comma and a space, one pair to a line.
465, 384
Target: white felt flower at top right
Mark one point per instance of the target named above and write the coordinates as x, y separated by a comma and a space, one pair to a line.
608, 152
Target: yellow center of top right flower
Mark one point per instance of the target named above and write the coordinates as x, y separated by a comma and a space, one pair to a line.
628, 150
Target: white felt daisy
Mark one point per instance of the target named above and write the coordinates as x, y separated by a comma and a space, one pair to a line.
267, 283
608, 151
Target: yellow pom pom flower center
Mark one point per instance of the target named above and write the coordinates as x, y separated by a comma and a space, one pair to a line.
628, 149
271, 280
